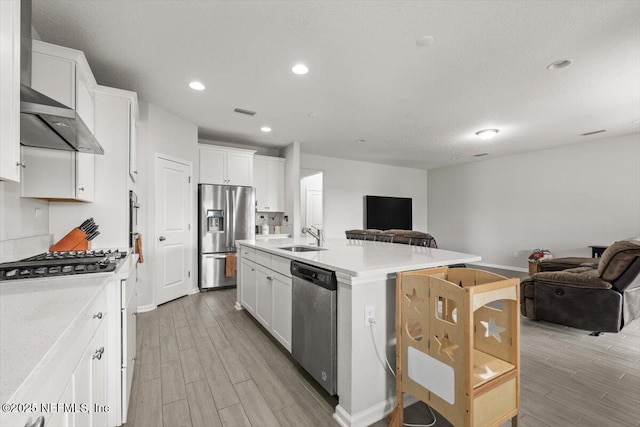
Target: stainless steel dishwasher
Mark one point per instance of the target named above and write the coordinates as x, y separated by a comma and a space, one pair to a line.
314, 329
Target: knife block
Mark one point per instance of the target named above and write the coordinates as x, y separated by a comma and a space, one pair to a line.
75, 240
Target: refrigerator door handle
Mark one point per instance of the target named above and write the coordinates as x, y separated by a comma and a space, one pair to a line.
215, 256
228, 218
233, 229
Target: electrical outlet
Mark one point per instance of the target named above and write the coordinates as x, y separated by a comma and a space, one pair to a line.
516, 254
369, 314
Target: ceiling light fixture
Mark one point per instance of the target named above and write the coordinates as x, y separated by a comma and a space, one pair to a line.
265, 129
360, 141
300, 69
424, 41
196, 85
487, 133
562, 63
312, 115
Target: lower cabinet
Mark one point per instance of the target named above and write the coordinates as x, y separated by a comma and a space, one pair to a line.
265, 292
281, 294
70, 388
264, 303
248, 288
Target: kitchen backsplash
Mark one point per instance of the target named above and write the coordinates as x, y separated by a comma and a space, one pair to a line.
17, 249
272, 219
24, 224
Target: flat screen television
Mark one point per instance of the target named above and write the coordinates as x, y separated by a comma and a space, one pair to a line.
386, 213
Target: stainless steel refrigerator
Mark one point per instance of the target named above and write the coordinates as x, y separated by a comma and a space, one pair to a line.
226, 214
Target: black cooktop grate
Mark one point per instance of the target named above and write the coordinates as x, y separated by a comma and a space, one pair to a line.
52, 264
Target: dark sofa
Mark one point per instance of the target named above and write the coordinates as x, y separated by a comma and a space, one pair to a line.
597, 294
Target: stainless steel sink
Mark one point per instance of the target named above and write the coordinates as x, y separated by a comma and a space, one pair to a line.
302, 248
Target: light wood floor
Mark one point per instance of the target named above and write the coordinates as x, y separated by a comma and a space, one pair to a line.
202, 363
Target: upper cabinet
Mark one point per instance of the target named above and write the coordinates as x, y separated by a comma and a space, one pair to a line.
10, 89
226, 166
268, 178
64, 75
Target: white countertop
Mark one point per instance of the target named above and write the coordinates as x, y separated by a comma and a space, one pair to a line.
35, 314
360, 258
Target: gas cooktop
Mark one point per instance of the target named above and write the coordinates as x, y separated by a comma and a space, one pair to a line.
51, 264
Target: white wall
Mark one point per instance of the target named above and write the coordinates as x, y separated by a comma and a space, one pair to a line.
18, 221
346, 182
164, 133
562, 199
292, 189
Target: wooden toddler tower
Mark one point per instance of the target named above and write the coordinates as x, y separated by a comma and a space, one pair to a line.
458, 345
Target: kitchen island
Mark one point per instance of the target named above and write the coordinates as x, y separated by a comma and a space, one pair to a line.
366, 273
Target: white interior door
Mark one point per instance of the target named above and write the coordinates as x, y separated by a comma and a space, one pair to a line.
172, 213
313, 208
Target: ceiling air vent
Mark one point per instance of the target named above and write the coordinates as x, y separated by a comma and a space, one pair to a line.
481, 155
243, 111
594, 132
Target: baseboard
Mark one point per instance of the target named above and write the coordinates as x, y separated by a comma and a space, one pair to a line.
370, 415
502, 267
194, 291
145, 308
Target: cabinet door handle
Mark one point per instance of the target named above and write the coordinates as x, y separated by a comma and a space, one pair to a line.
135, 313
99, 315
269, 278
23, 164
162, 238
39, 422
98, 353
80, 188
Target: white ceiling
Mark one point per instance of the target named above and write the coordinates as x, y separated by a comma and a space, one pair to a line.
414, 106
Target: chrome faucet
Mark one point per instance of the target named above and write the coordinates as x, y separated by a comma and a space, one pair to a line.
319, 235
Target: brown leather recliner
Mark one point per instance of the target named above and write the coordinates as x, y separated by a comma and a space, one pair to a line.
601, 297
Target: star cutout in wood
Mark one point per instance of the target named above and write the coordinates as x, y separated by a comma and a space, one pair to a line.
445, 345
493, 330
487, 374
414, 300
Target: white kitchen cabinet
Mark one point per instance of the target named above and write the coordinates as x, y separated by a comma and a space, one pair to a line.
226, 166
281, 294
268, 179
57, 175
10, 89
129, 319
70, 374
248, 288
264, 302
266, 285
64, 75
115, 115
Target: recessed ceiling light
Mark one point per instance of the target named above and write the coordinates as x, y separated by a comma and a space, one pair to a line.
265, 129
454, 158
196, 85
487, 133
360, 141
300, 69
312, 115
559, 64
424, 41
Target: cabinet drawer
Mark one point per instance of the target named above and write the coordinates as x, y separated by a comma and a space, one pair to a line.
248, 253
281, 265
263, 258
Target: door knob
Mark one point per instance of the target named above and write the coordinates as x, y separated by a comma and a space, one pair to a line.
162, 238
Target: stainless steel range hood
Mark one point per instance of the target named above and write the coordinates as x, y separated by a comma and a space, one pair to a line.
44, 122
